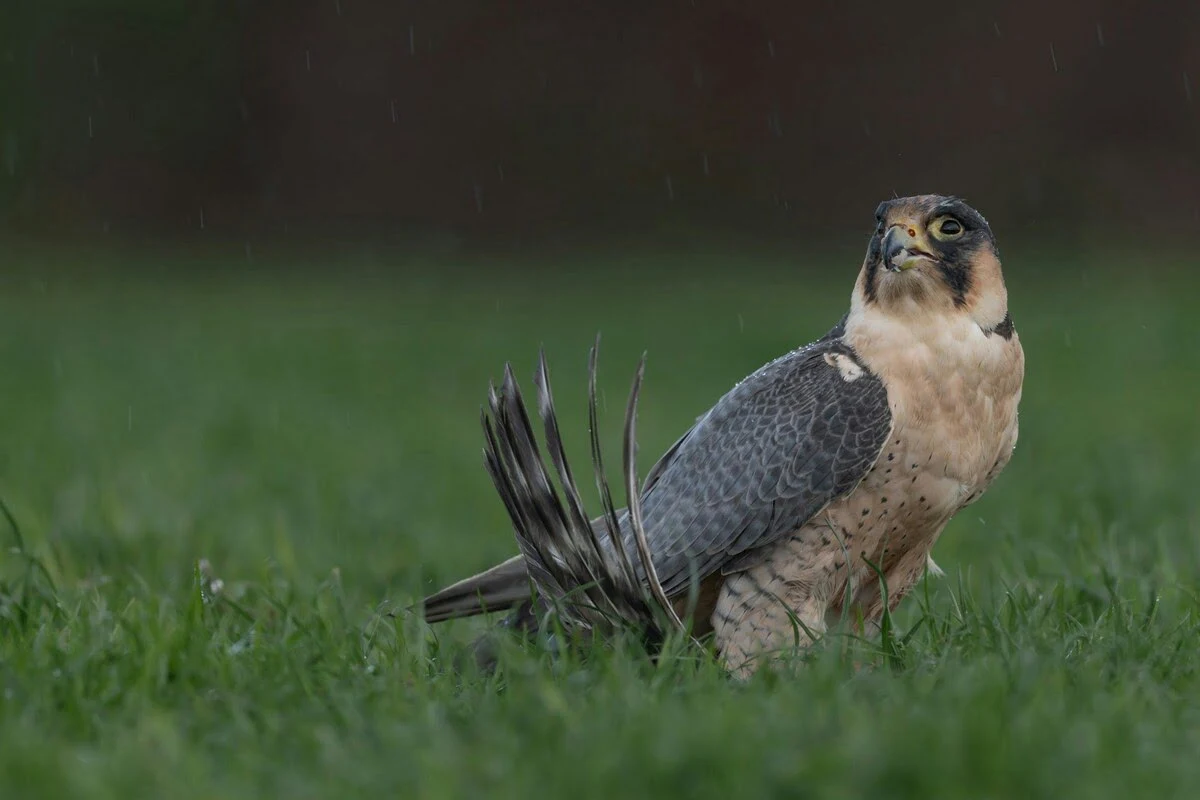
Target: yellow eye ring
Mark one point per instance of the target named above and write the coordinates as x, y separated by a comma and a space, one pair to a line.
946, 228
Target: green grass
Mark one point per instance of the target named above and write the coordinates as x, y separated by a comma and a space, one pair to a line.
316, 441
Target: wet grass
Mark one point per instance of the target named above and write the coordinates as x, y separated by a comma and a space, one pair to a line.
315, 443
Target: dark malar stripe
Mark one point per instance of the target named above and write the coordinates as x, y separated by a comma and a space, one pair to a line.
958, 279
873, 253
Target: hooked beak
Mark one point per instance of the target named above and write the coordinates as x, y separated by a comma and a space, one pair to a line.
902, 249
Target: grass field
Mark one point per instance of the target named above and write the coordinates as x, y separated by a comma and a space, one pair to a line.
315, 440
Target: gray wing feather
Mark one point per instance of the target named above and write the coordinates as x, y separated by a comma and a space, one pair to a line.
768, 457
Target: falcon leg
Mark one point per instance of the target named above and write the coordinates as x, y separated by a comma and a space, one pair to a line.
760, 617
907, 571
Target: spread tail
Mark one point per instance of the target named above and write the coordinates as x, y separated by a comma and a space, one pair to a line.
562, 551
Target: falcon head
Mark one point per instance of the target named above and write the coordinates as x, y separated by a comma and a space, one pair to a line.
932, 252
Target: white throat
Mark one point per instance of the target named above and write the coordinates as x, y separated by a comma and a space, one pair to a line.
930, 344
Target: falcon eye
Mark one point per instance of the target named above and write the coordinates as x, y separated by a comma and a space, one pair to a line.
947, 228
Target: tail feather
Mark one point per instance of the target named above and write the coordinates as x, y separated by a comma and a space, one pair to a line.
635, 503
578, 523
508, 462
589, 577
563, 556
612, 522
497, 589
592, 584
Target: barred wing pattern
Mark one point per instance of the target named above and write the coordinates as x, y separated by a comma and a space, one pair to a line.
773, 452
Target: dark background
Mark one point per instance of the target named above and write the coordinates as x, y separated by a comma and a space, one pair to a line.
519, 123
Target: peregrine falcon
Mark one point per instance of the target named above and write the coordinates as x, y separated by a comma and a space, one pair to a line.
814, 484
